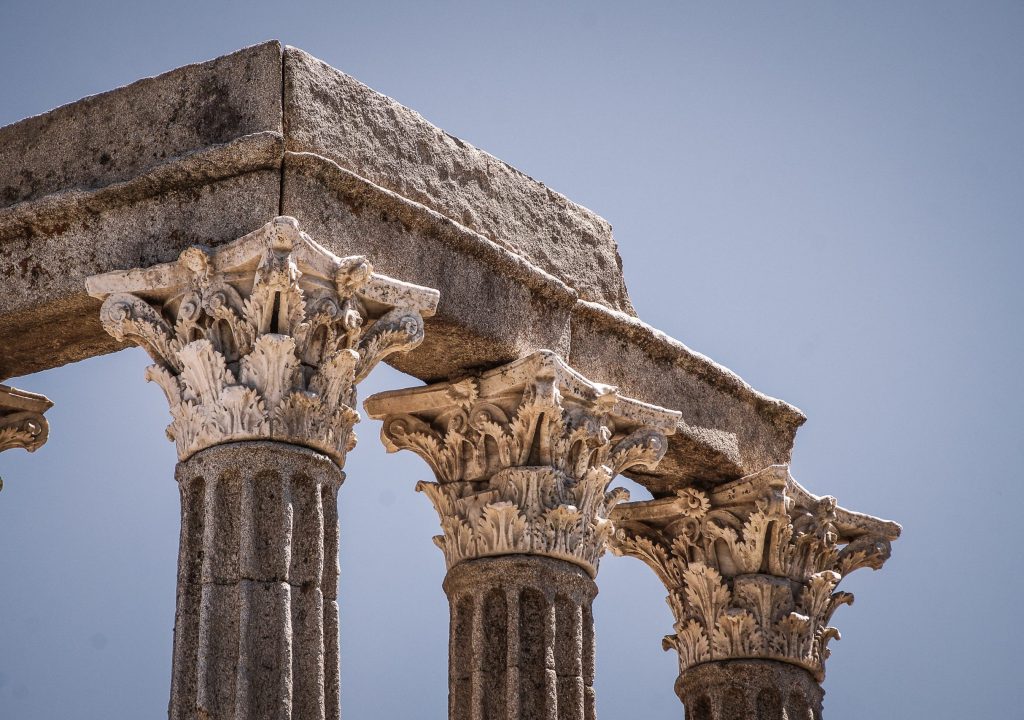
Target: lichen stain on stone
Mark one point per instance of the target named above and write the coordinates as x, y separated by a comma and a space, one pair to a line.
25, 189
218, 118
33, 270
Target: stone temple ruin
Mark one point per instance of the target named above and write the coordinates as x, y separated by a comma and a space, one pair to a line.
269, 229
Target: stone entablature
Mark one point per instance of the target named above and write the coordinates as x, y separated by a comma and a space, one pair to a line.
523, 456
263, 335
22, 424
752, 566
134, 176
263, 338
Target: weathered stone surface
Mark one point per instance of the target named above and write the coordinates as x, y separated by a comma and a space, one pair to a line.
332, 114
521, 640
523, 455
118, 135
264, 337
752, 566
46, 254
746, 689
178, 135
140, 176
256, 623
197, 187
22, 424
494, 306
728, 429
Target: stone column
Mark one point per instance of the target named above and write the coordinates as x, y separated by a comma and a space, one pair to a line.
258, 346
521, 639
523, 456
257, 615
752, 568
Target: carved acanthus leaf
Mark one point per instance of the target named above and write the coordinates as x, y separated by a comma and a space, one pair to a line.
643, 449
131, 319
26, 430
22, 424
538, 431
752, 567
532, 510
265, 337
400, 330
523, 455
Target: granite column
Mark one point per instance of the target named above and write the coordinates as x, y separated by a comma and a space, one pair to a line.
259, 345
257, 614
523, 456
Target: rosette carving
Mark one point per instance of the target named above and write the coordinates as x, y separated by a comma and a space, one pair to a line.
523, 456
263, 338
752, 566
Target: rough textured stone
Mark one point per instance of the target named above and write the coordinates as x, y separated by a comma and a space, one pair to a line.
331, 114
494, 305
523, 455
751, 568
264, 337
22, 424
46, 317
256, 623
118, 135
521, 640
208, 153
748, 689
170, 188
728, 429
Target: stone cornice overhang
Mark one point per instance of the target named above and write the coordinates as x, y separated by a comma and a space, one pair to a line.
209, 152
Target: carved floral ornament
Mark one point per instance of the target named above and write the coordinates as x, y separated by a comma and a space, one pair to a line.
752, 566
523, 456
22, 424
265, 337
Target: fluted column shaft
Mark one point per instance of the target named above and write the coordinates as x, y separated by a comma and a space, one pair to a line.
259, 345
749, 690
521, 640
256, 625
523, 455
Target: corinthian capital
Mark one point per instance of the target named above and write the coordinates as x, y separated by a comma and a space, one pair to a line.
264, 337
752, 566
22, 424
523, 456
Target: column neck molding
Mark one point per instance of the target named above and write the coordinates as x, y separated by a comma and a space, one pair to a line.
752, 566
523, 456
263, 338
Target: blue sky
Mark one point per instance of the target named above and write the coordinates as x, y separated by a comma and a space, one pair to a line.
825, 197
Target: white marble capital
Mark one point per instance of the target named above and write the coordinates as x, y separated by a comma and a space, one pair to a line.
264, 338
752, 566
523, 456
